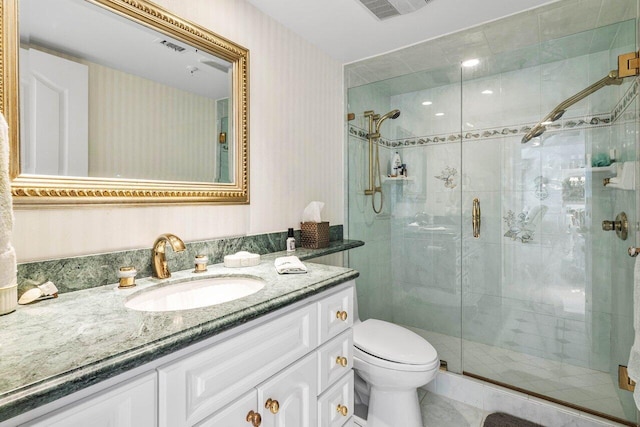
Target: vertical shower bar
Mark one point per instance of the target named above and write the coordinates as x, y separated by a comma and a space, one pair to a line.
371, 188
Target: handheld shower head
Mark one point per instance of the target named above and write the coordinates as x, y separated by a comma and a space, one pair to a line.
393, 114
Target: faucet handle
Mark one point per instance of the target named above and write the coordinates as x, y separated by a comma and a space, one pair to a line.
127, 276
201, 263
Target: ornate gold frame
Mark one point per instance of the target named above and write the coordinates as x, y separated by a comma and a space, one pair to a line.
44, 190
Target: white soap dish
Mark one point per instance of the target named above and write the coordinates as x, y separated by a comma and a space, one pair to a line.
241, 259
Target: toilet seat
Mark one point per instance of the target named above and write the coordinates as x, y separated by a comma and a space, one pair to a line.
393, 366
391, 346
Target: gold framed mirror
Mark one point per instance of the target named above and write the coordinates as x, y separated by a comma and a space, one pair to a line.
156, 92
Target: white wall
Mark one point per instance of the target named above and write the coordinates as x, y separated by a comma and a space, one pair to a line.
296, 119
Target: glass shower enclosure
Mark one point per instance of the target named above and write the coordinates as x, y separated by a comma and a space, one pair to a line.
537, 297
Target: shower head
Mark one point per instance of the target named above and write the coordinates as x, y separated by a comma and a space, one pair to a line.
537, 130
393, 114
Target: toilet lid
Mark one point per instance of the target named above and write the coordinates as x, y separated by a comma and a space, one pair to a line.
392, 342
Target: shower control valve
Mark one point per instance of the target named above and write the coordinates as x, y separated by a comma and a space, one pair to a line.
620, 226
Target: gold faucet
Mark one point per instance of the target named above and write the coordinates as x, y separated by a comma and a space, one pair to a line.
160, 267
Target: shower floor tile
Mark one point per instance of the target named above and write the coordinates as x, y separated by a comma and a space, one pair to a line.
573, 384
438, 411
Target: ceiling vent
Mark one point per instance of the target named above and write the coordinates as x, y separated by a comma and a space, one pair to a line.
384, 9
174, 47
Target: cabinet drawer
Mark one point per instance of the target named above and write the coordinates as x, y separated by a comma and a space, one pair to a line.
332, 402
130, 404
335, 314
199, 385
331, 358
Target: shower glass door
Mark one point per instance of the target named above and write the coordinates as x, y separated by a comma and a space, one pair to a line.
541, 300
547, 293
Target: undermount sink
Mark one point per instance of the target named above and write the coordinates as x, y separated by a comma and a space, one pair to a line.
194, 294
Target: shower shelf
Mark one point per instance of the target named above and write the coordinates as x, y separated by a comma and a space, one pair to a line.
611, 169
397, 179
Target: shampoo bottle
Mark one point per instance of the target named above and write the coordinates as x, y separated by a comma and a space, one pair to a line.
291, 241
396, 164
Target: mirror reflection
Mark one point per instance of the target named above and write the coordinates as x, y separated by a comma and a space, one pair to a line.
104, 97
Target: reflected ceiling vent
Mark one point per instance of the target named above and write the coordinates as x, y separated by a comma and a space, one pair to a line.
384, 9
170, 45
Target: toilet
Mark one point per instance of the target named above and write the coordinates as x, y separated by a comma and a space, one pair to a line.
393, 362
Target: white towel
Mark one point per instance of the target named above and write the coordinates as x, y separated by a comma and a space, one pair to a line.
6, 204
8, 268
633, 367
289, 265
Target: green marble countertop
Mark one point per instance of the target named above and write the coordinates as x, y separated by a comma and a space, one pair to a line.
55, 347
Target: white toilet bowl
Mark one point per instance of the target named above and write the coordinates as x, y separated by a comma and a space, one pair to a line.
394, 362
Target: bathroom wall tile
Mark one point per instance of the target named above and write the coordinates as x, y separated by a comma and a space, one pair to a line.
481, 110
520, 95
555, 87
481, 264
523, 27
434, 310
567, 18
481, 165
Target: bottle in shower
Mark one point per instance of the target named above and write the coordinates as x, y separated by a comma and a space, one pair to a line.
396, 164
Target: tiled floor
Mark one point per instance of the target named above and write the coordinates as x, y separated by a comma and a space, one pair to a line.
574, 384
439, 411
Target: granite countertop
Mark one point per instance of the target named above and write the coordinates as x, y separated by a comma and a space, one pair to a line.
55, 347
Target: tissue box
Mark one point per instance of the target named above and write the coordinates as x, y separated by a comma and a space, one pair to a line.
314, 235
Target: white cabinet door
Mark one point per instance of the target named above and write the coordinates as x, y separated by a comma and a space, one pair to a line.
132, 404
288, 399
241, 413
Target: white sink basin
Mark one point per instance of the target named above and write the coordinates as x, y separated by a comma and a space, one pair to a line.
194, 294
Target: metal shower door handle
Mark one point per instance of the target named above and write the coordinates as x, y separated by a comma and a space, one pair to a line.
476, 218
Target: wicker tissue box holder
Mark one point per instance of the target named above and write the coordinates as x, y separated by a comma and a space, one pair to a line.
314, 235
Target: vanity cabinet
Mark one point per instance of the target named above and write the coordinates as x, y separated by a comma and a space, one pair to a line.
292, 368
131, 404
286, 399
200, 384
289, 365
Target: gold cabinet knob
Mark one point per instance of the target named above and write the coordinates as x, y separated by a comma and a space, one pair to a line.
254, 418
272, 405
342, 315
343, 410
342, 361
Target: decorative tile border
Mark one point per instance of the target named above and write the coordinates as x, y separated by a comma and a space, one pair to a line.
83, 272
619, 113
